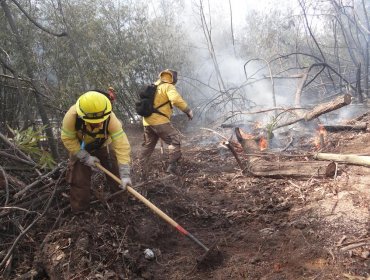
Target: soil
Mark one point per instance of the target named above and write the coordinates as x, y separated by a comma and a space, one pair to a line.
258, 228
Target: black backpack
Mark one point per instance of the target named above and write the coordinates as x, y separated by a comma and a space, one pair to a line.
145, 106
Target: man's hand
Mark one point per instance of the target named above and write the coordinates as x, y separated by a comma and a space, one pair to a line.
87, 159
124, 172
190, 114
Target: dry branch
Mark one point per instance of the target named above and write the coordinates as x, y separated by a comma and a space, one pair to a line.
321, 109
27, 158
47, 175
349, 158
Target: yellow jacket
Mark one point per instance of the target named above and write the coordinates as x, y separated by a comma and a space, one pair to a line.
72, 138
165, 92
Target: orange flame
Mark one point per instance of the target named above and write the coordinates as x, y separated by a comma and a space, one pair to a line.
245, 135
263, 144
320, 138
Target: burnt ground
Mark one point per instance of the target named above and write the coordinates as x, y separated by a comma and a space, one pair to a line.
265, 228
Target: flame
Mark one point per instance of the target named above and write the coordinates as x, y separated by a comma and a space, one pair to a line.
263, 144
320, 138
245, 135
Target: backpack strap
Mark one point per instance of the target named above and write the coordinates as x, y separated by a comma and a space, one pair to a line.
98, 142
163, 104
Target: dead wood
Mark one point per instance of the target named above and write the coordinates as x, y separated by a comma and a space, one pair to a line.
47, 175
349, 158
231, 148
295, 169
321, 109
248, 142
13, 181
259, 167
9, 156
10, 251
10, 144
348, 127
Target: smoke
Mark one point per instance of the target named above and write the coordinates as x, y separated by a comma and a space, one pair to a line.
239, 86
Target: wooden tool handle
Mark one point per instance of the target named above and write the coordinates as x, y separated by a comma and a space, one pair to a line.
154, 208
137, 195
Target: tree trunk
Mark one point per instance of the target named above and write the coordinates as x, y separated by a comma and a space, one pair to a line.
40, 105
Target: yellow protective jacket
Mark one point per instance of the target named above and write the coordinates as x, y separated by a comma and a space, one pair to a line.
72, 138
165, 92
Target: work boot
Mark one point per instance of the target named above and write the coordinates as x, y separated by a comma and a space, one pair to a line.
172, 168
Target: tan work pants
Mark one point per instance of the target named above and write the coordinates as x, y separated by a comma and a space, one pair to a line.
168, 134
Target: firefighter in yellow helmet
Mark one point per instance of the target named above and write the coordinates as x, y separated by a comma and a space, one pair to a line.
158, 126
92, 133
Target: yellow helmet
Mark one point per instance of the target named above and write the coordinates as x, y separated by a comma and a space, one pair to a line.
168, 76
93, 107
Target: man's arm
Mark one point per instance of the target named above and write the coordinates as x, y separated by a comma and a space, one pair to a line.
68, 131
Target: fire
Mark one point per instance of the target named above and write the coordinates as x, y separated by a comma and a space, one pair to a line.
245, 135
320, 138
263, 144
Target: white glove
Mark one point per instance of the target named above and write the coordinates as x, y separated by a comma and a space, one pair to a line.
190, 114
124, 172
87, 159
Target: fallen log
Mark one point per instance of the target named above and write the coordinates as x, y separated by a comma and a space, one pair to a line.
279, 169
321, 109
292, 169
348, 127
349, 158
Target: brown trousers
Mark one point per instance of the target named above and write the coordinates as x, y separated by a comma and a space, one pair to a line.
168, 134
79, 177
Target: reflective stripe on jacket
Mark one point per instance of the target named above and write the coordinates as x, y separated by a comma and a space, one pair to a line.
165, 92
72, 138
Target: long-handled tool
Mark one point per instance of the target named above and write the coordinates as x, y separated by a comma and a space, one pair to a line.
210, 254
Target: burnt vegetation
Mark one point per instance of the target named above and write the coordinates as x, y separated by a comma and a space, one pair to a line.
275, 167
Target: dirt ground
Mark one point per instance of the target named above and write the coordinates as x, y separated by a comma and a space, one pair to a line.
264, 228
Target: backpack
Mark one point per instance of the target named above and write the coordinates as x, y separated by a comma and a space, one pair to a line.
145, 106
111, 96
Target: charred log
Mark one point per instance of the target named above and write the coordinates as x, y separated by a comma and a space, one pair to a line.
231, 148
248, 142
337, 128
291, 169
